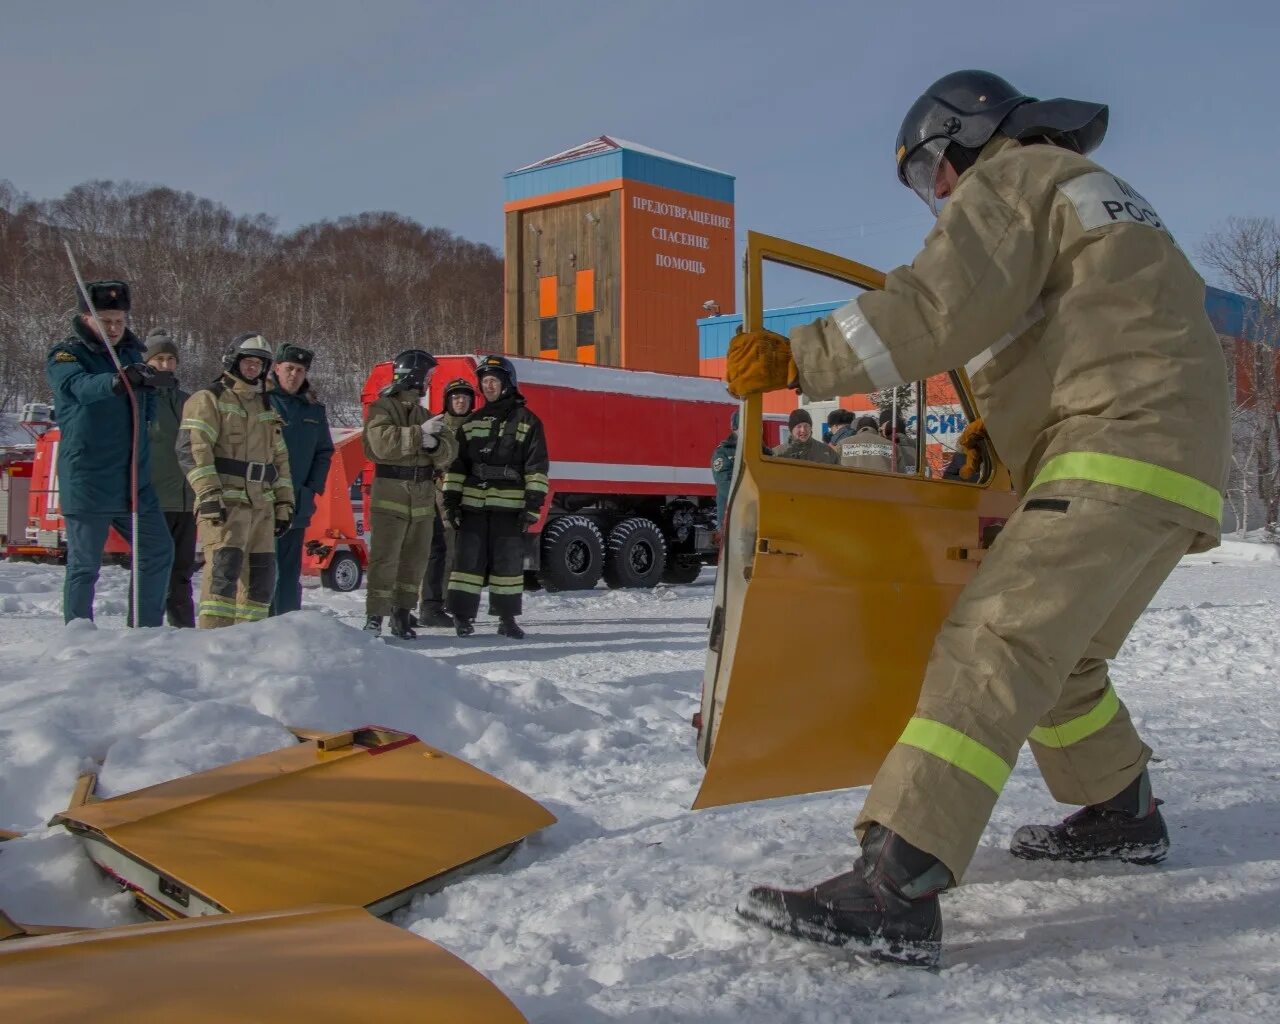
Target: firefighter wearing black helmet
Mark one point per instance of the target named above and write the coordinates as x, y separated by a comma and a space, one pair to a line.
407, 446
1060, 289
493, 493
231, 446
459, 403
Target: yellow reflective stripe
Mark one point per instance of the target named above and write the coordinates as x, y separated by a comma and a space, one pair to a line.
466, 588
521, 430
494, 501
218, 609
1080, 728
473, 492
466, 577
207, 429
534, 485
265, 416
234, 494
1136, 476
505, 492
957, 749
232, 410
391, 506
506, 588
455, 478
279, 445
473, 503
531, 478
200, 472
422, 511
253, 612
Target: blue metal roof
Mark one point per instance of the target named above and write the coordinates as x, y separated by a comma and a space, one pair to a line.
1232, 315
607, 159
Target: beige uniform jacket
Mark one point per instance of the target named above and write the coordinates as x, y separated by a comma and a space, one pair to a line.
866, 449
232, 420
1081, 325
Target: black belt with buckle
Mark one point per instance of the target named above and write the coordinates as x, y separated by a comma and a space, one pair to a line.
414, 473
253, 472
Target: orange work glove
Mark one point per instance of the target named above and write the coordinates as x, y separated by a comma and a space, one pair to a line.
759, 361
971, 439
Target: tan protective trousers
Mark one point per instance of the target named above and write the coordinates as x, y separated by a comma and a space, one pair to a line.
239, 567
1023, 654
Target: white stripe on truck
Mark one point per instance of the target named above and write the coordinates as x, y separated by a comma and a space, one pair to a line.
629, 473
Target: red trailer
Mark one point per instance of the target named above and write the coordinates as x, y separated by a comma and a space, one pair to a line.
335, 547
630, 496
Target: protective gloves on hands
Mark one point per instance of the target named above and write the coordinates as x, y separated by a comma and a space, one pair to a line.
453, 516
284, 518
759, 361
430, 429
212, 510
971, 439
529, 520
139, 375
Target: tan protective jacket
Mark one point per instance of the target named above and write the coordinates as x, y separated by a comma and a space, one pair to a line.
866, 449
393, 437
1081, 325
231, 419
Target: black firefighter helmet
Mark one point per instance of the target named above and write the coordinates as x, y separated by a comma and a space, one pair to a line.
412, 368
959, 114
460, 386
500, 367
244, 346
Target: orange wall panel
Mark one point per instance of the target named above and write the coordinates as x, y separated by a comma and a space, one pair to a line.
677, 253
546, 297
584, 291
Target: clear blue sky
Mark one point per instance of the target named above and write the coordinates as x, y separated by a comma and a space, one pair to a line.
310, 110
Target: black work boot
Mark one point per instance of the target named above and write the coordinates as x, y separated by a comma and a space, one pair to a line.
432, 616
464, 627
1127, 827
373, 624
400, 624
507, 626
886, 908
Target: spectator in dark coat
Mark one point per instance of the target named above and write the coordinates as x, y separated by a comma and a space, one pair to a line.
96, 450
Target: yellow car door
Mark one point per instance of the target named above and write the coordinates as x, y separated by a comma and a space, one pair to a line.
833, 582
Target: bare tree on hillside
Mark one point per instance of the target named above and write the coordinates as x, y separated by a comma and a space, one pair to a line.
1245, 252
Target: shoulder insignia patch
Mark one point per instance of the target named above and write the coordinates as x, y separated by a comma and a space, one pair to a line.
63, 357
718, 464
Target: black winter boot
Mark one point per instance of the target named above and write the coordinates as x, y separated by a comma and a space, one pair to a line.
507, 626
432, 616
1128, 827
373, 624
464, 627
400, 624
886, 908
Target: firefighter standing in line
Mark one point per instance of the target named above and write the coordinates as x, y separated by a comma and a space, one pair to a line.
96, 448
459, 402
407, 446
306, 435
232, 448
1101, 382
493, 493
865, 448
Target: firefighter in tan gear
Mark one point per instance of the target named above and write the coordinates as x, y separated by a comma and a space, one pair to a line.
1082, 327
408, 446
231, 446
866, 448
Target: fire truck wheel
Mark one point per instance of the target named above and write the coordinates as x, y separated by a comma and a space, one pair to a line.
572, 554
682, 569
343, 573
637, 554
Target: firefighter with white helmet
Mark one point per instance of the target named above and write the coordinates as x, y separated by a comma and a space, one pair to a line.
231, 446
408, 447
1081, 324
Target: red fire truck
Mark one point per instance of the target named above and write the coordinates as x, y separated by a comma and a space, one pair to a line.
630, 497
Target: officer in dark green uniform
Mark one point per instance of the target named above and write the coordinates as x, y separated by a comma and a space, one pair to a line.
96, 420
310, 444
722, 460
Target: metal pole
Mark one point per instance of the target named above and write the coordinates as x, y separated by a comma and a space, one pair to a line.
136, 557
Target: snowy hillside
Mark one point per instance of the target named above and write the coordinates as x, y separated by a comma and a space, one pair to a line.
624, 910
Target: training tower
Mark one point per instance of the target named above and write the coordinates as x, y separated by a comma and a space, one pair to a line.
613, 252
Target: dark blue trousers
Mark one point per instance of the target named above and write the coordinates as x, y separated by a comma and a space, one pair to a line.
87, 536
288, 593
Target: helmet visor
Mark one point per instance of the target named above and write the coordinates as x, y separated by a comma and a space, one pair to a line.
922, 170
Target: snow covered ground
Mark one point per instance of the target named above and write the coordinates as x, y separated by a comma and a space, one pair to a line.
624, 910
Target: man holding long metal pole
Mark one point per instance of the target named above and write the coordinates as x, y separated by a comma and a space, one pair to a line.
103, 396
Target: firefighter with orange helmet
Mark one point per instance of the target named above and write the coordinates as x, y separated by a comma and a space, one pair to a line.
1082, 326
459, 402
